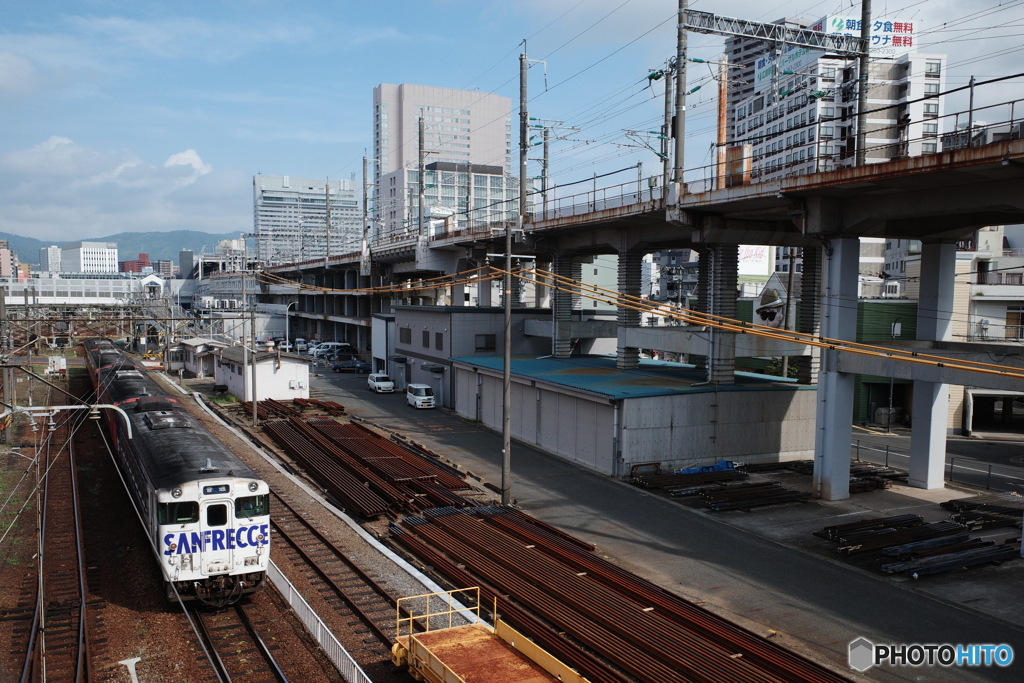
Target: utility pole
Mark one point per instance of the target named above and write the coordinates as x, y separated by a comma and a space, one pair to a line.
970, 115
327, 197
790, 309
419, 230
862, 87
666, 129
544, 176
680, 127
364, 241
252, 329
7, 374
506, 397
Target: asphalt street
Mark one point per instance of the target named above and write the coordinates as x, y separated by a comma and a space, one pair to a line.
816, 606
996, 464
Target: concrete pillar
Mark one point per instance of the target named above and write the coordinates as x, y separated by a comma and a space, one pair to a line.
931, 400
723, 282
483, 290
834, 423
562, 306
810, 313
629, 285
541, 292
703, 292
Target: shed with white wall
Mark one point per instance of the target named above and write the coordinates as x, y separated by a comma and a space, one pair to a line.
281, 376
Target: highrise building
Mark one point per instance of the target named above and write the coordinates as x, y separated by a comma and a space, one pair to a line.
460, 126
49, 259
290, 218
468, 144
795, 111
88, 257
186, 262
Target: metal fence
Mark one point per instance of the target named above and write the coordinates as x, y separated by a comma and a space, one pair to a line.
958, 469
334, 650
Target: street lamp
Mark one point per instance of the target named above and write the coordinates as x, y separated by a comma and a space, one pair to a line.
286, 342
896, 330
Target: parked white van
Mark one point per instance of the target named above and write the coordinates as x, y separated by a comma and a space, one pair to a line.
300, 345
419, 396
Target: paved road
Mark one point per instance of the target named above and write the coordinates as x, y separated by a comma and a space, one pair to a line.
817, 607
998, 465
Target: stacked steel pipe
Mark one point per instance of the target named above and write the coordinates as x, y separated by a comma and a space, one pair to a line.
636, 628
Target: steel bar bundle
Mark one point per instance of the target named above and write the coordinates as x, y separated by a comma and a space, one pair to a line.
636, 626
839, 532
988, 552
875, 540
657, 481
340, 483
736, 498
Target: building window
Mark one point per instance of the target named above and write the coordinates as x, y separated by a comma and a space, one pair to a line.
929, 148
405, 335
931, 109
426, 339
438, 341
1014, 316
486, 342
932, 69
931, 130
931, 89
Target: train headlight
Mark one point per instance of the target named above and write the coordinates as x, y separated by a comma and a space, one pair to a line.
253, 486
176, 492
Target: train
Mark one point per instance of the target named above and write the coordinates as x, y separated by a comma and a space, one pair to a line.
204, 510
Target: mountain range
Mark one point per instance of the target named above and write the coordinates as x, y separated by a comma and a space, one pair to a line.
159, 245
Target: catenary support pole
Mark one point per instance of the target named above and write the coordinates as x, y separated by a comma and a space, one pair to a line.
862, 85
666, 129
252, 330
680, 122
422, 183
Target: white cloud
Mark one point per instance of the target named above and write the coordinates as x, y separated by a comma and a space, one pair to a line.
18, 75
60, 189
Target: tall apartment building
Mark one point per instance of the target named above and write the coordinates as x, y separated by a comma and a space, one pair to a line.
49, 259
796, 109
461, 126
290, 218
88, 257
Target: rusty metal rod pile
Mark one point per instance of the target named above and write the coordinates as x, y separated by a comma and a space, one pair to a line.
352, 462
347, 489
635, 626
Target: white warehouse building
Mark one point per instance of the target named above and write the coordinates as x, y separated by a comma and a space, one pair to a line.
88, 257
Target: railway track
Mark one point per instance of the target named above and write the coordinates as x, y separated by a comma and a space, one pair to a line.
236, 647
358, 594
58, 640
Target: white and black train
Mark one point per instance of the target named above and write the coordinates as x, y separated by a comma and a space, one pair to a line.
205, 511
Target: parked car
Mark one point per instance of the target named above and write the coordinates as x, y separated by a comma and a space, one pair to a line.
327, 349
356, 366
285, 346
300, 345
380, 383
419, 396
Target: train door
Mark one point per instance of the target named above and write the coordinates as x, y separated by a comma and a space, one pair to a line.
215, 527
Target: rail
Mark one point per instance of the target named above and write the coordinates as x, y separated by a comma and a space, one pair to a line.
334, 650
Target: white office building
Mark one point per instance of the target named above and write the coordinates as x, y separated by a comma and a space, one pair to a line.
88, 257
460, 126
49, 259
290, 218
449, 201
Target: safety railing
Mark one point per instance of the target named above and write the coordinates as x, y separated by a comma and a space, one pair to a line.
958, 469
334, 650
431, 617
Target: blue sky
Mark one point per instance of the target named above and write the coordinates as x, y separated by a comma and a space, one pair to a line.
154, 116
